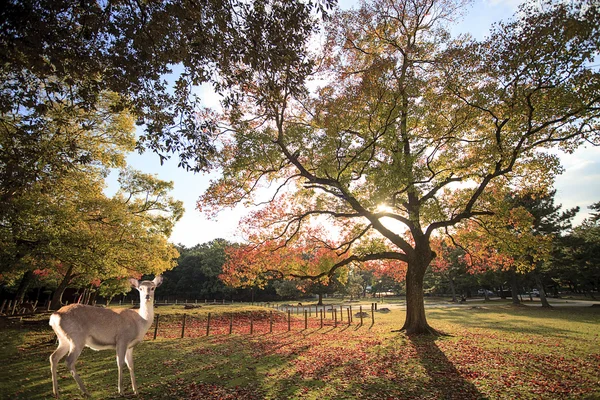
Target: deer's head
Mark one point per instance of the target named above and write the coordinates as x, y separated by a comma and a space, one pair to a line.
146, 288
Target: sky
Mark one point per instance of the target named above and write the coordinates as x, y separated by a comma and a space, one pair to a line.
579, 185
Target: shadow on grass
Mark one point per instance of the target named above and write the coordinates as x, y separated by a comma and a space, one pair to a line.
445, 380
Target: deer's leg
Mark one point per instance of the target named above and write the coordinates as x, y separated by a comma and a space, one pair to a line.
74, 353
129, 362
121, 351
59, 353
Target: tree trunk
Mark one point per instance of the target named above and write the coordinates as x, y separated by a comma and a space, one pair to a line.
539, 284
502, 293
320, 303
452, 288
416, 322
514, 288
57, 297
23, 286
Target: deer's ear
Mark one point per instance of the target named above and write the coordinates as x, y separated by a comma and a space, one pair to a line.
134, 282
158, 280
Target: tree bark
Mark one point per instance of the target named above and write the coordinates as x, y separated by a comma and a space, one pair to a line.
539, 284
452, 288
416, 321
58, 293
514, 288
320, 303
23, 286
502, 295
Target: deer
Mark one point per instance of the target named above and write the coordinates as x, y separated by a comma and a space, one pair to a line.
78, 326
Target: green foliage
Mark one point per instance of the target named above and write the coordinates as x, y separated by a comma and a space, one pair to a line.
70, 52
196, 275
575, 261
55, 218
287, 290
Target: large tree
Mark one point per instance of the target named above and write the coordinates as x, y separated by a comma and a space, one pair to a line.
410, 126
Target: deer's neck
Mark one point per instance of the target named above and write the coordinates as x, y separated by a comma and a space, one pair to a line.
146, 310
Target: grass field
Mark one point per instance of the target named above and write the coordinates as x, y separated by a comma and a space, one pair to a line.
493, 351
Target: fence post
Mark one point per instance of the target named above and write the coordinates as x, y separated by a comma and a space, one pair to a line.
361, 316
231, 324
349, 318
335, 317
208, 324
305, 320
270, 321
251, 324
373, 314
341, 313
289, 321
183, 326
321, 319
156, 326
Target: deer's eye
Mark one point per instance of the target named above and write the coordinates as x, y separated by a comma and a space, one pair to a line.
152, 289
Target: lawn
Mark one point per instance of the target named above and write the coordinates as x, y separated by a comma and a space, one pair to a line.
492, 351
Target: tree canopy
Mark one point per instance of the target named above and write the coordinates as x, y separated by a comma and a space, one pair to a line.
153, 54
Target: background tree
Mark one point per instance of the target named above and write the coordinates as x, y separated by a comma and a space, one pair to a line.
547, 222
288, 290
71, 153
103, 238
112, 287
196, 275
55, 214
356, 284
405, 115
450, 265
575, 262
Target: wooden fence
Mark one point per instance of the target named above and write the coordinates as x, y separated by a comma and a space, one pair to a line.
286, 319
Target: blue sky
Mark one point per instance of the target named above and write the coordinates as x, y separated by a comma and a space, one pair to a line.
577, 186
